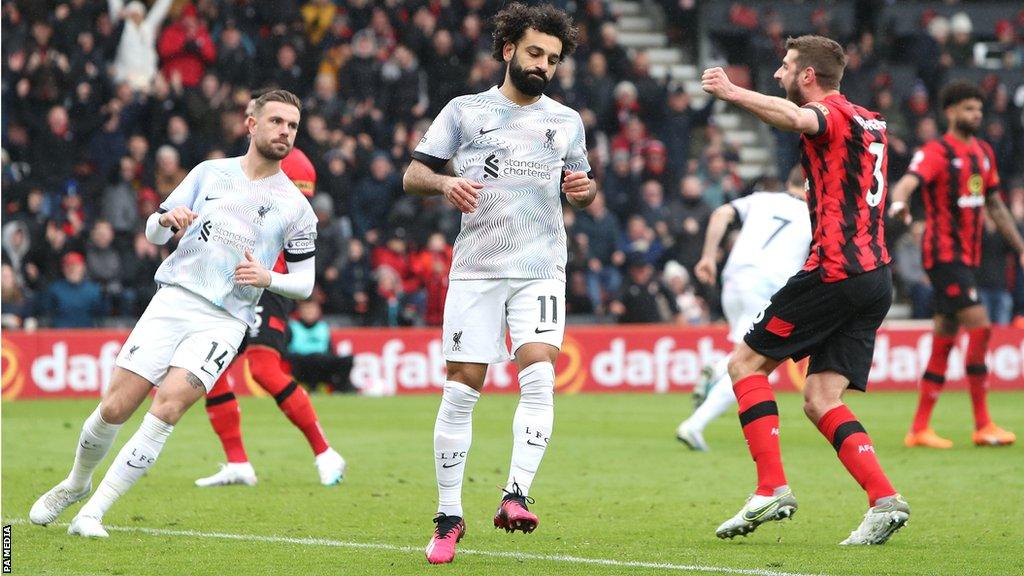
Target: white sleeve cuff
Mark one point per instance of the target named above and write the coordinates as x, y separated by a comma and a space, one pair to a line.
155, 232
297, 284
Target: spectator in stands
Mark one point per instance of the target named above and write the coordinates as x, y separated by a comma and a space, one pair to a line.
16, 245
39, 268
309, 349
615, 55
138, 268
621, 185
689, 218
179, 136
657, 168
910, 271
681, 118
372, 196
577, 297
235, 64
640, 238
650, 92
73, 301
655, 211
353, 292
186, 48
431, 266
643, 299
16, 306
598, 90
603, 233
719, 183
103, 264
136, 61
331, 240
446, 74
404, 87
931, 52
169, 172
1008, 44
692, 309
991, 275
961, 49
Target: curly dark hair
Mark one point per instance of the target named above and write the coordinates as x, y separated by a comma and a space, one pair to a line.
957, 91
512, 22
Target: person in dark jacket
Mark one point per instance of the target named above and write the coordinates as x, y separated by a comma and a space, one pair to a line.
74, 301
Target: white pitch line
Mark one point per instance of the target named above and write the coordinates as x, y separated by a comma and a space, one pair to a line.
419, 550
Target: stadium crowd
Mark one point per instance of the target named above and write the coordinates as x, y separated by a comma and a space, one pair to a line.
107, 105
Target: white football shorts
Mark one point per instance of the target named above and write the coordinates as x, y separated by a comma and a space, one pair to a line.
183, 330
479, 313
741, 302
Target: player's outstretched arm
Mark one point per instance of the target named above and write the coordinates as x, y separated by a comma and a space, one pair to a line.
579, 189
1004, 223
901, 192
778, 112
707, 268
161, 227
463, 193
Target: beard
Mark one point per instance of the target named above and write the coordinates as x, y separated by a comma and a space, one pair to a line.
270, 151
794, 95
531, 84
966, 127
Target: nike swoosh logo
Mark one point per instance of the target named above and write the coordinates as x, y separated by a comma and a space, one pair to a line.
129, 462
482, 131
452, 465
85, 444
208, 198
754, 515
539, 331
538, 445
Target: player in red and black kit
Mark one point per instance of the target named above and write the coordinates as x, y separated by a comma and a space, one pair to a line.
830, 310
958, 178
263, 350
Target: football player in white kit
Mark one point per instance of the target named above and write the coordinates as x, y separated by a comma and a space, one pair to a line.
772, 246
237, 214
513, 153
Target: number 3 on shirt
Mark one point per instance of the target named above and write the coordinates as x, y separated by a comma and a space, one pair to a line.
873, 195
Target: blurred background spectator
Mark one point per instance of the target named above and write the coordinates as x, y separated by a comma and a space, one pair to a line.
107, 105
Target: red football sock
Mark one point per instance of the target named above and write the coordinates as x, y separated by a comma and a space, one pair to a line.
932, 381
759, 417
977, 374
856, 452
292, 399
296, 406
226, 419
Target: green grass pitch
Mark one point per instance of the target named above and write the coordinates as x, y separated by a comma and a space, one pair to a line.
615, 486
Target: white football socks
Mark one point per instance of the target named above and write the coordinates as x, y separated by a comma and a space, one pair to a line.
532, 423
137, 456
453, 433
93, 444
720, 398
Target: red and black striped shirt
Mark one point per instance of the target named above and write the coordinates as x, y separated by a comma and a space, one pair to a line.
846, 164
956, 178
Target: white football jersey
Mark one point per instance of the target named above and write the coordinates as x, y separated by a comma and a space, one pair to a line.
773, 242
519, 154
263, 216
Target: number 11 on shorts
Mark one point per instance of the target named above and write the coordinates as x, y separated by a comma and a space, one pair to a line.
542, 300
